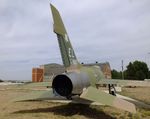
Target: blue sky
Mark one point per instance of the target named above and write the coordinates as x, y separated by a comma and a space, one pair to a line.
99, 30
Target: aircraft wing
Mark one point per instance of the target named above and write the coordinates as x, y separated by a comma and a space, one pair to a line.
37, 84
125, 82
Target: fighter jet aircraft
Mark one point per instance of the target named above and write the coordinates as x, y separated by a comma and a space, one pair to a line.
78, 83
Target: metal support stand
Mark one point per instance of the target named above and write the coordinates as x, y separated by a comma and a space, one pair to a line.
112, 89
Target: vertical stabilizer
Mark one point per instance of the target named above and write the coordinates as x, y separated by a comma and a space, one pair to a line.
67, 52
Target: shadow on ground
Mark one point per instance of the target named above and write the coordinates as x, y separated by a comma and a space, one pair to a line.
70, 110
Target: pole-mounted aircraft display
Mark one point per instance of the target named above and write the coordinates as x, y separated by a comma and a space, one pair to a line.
78, 83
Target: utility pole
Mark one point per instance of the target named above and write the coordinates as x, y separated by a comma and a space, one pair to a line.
149, 60
122, 69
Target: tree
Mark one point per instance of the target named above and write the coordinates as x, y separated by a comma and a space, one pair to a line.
1, 80
148, 74
140, 75
137, 70
130, 72
115, 74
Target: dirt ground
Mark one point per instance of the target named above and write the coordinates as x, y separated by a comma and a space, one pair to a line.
49, 110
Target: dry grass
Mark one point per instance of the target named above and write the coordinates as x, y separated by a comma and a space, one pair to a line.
47, 110
140, 93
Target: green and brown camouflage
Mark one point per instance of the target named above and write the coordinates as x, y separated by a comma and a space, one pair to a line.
66, 49
95, 95
67, 52
78, 82
83, 79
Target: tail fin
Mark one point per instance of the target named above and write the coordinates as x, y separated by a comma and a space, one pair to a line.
67, 52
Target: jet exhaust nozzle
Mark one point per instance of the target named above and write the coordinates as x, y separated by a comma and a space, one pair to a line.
70, 84
62, 85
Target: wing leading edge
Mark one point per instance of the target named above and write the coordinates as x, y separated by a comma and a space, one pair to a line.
125, 82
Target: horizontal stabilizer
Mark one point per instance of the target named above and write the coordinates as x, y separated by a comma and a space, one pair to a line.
38, 95
93, 94
134, 101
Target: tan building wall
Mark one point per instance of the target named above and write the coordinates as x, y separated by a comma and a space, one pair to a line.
51, 70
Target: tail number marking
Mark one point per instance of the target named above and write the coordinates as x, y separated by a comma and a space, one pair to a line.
71, 53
